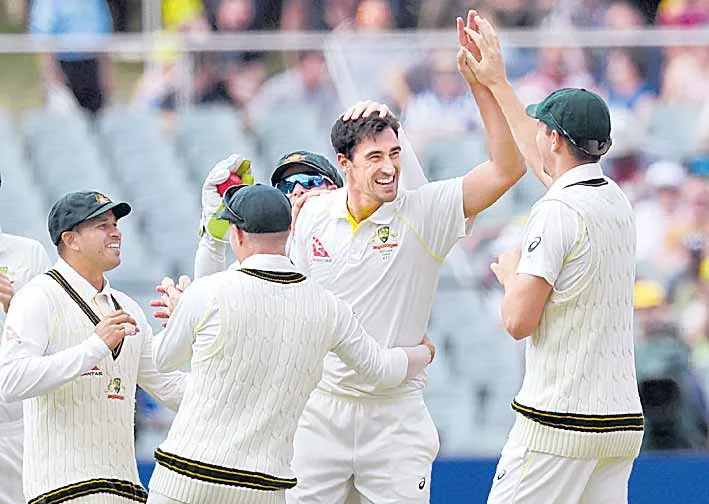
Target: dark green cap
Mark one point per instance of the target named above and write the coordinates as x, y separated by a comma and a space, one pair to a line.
314, 162
257, 208
74, 208
579, 115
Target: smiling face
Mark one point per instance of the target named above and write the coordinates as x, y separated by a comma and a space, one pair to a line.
97, 241
373, 171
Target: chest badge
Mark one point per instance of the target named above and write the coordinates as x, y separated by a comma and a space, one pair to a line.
385, 241
114, 389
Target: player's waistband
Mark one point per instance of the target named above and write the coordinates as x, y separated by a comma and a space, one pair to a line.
583, 423
211, 473
122, 488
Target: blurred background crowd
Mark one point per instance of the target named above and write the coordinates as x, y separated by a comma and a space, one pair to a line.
148, 128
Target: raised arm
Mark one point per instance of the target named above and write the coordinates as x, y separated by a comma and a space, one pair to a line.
487, 182
489, 69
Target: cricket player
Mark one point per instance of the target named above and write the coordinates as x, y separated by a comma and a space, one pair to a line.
74, 350
381, 249
295, 174
20, 260
569, 291
256, 336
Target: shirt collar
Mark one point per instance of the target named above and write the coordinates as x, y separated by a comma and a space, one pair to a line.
577, 174
383, 215
79, 283
268, 262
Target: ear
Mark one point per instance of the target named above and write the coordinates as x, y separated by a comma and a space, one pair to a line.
343, 162
69, 238
556, 141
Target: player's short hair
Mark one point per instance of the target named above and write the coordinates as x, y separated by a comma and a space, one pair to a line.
579, 155
347, 135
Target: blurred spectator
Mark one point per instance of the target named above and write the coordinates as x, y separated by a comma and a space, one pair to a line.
627, 88
332, 14
296, 15
86, 75
651, 309
683, 12
655, 212
231, 77
447, 102
685, 77
373, 15
162, 79
690, 229
702, 141
556, 68
622, 15
694, 318
307, 82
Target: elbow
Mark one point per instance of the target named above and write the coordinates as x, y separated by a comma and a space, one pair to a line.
517, 326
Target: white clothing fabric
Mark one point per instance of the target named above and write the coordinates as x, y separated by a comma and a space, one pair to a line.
79, 401
524, 476
394, 440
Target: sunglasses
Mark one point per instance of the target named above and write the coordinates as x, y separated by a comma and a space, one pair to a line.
594, 147
307, 180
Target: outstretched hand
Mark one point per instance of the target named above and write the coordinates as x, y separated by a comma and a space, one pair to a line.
467, 44
171, 293
485, 57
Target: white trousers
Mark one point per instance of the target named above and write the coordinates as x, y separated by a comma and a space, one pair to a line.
240, 497
11, 469
363, 451
527, 477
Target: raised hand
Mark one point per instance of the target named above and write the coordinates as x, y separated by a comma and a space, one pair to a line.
211, 195
490, 67
170, 296
116, 326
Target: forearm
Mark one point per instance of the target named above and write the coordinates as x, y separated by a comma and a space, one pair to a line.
419, 357
166, 388
210, 256
169, 351
503, 150
523, 127
25, 376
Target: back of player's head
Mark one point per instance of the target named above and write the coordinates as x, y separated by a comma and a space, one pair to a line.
257, 209
347, 135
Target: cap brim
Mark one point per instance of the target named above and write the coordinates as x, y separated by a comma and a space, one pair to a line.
120, 210
532, 110
277, 174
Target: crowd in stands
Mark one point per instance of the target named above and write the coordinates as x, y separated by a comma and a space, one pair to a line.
657, 96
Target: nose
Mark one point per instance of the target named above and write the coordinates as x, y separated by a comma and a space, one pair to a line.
297, 191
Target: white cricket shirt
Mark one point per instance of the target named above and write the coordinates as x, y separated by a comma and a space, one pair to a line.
556, 246
386, 267
20, 260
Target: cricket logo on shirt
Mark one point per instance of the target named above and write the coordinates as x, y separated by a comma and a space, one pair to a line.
319, 252
385, 241
114, 389
534, 244
94, 371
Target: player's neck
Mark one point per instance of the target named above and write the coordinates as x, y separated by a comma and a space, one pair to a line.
361, 206
88, 271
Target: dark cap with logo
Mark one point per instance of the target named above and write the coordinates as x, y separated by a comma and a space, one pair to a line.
74, 208
257, 208
315, 162
579, 115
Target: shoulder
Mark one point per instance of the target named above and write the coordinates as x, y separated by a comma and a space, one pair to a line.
22, 244
39, 291
317, 209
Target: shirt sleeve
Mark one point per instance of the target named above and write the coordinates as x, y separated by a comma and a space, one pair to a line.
296, 247
551, 235
26, 370
437, 213
210, 257
172, 347
167, 388
386, 367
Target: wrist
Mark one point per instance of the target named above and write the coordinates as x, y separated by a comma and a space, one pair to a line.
499, 85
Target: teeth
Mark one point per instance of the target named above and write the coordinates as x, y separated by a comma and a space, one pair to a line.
385, 181
115, 245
